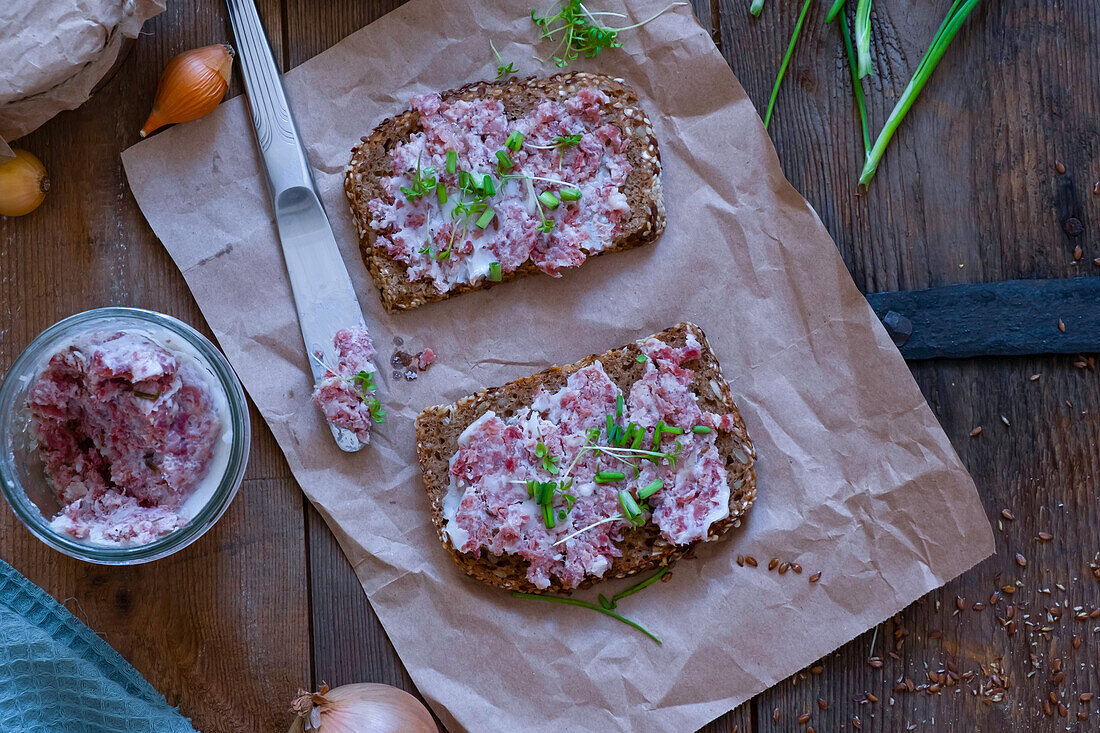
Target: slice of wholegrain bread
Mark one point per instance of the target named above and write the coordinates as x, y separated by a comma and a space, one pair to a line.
643, 548
371, 163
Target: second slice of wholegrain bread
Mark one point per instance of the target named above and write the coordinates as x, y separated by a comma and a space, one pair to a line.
643, 548
371, 164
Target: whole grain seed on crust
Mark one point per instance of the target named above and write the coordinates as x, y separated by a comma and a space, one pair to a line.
371, 163
643, 548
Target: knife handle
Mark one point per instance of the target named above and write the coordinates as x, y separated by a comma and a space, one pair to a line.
276, 134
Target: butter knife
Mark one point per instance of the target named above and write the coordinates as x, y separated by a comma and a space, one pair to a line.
323, 294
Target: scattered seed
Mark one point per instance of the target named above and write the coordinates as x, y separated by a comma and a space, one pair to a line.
1047, 708
1062, 710
1096, 262
1057, 665
1045, 537
1034, 377
811, 729
976, 432
817, 669
815, 577
1077, 253
1008, 589
822, 705
1061, 326
1095, 614
1010, 628
875, 662
804, 718
740, 561
1021, 560
1076, 641
1096, 189
775, 715
750, 561
978, 605
1005, 420
1007, 515
871, 697
994, 597
784, 567
796, 568
773, 563
1083, 715
856, 724
1060, 167
1085, 696
1053, 697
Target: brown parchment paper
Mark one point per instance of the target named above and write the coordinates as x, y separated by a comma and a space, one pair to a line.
856, 478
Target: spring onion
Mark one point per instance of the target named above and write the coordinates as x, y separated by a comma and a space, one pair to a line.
786, 61
639, 586
584, 604
619, 402
549, 200
957, 14
837, 5
650, 489
604, 477
756, 8
863, 37
441, 193
494, 272
485, 218
571, 194
700, 430
857, 87
452, 162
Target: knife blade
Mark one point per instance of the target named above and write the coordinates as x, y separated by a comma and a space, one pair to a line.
323, 293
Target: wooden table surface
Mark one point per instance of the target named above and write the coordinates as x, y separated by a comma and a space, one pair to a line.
265, 603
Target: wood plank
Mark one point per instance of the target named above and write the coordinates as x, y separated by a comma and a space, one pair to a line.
968, 192
220, 628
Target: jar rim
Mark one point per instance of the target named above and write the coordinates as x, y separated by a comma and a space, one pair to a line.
29, 513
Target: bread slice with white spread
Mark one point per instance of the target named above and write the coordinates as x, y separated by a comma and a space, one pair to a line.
526, 481
573, 172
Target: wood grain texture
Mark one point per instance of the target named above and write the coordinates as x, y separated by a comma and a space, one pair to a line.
221, 628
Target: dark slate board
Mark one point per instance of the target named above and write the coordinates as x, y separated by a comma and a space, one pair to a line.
1014, 317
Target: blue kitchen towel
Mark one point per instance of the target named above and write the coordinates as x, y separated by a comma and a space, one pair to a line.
57, 676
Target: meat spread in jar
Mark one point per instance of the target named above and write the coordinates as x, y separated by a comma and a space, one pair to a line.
475, 195
559, 482
345, 393
133, 436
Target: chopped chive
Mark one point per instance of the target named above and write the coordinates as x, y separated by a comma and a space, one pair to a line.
487, 185
484, 219
640, 358
570, 194
546, 493
549, 200
657, 434
585, 604
532, 488
639, 436
452, 161
441, 193
639, 586
561, 515
548, 516
619, 401
650, 489
494, 272
672, 430
610, 426
465, 180
604, 477
629, 505
504, 163
700, 430
514, 141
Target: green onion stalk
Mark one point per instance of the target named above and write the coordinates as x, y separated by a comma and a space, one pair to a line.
957, 14
786, 61
863, 37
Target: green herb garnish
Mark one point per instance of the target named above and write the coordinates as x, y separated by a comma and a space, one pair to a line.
650, 489
503, 69
700, 430
549, 200
756, 8
585, 604
452, 162
786, 61
422, 182
581, 33
638, 586
546, 226
494, 272
571, 194
504, 163
641, 358
514, 141
619, 403
485, 218
863, 38
604, 477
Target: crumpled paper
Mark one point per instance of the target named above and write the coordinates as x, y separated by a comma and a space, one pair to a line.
55, 53
856, 478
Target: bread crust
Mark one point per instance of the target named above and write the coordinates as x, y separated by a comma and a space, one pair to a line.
371, 163
643, 548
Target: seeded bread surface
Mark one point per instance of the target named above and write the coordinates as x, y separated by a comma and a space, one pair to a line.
643, 548
371, 164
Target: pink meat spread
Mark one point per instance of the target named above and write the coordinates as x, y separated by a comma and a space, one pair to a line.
125, 431
489, 505
346, 392
565, 144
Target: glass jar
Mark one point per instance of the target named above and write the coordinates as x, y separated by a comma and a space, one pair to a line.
22, 479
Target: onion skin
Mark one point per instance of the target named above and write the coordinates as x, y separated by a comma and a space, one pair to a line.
191, 86
23, 184
362, 708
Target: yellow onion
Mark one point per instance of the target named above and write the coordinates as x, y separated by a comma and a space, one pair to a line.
23, 184
191, 86
362, 708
